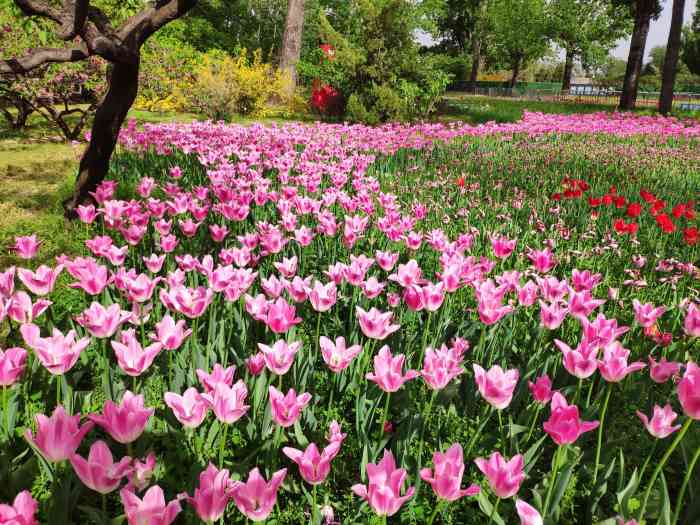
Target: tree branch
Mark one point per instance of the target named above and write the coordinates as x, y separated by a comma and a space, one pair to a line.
142, 25
40, 8
42, 56
74, 15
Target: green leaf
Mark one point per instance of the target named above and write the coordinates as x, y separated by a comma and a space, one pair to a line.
487, 507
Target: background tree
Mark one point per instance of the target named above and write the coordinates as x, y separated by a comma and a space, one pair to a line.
290, 51
643, 11
670, 66
89, 32
691, 45
587, 30
521, 33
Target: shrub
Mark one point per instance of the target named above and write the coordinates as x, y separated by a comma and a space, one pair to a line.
224, 86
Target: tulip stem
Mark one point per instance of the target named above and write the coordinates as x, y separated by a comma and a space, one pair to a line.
318, 333
476, 435
104, 505
58, 390
684, 486
553, 480
222, 443
426, 329
493, 510
660, 465
438, 505
384, 415
603, 411
314, 514
500, 429
532, 424
422, 435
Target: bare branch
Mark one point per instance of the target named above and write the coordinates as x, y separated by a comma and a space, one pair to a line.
40, 8
73, 16
42, 56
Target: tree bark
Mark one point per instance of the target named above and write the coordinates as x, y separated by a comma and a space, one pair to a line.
122, 80
568, 70
628, 98
668, 77
516, 72
476, 57
291, 41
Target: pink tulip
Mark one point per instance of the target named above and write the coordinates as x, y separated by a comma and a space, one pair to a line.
613, 367
255, 363
287, 267
375, 324
189, 408
12, 363
582, 304
58, 436
601, 331
286, 409
564, 425
372, 288
386, 260
552, 315
228, 403
27, 247
504, 476
496, 386
256, 498
542, 260
334, 433
323, 297
142, 472
131, 357
21, 310
388, 371
189, 302
585, 280
41, 281
154, 262
124, 422
92, 278
280, 356
152, 510
440, 366
102, 322
336, 355
541, 389
58, 353
689, 391
691, 324
171, 334
218, 374
527, 513
281, 316
661, 424
99, 472
212, 495
502, 246
663, 370
7, 282
22, 511
314, 467
447, 479
383, 492
645, 314
581, 362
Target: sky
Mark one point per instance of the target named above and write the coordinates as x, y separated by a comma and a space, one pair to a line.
658, 31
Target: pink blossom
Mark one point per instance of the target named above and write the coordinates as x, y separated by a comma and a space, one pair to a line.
552, 315
212, 495
41, 281
375, 324
496, 386
102, 322
314, 467
124, 422
645, 314
218, 374
228, 402
281, 316
152, 510
661, 424
388, 371
504, 476
27, 247
131, 357
541, 389
502, 246
21, 310
691, 324
189, 302
527, 513
446, 479
322, 297
280, 356
689, 391
440, 366
12, 363
383, 492
256, 498
337, 355
662, 371
613, 367
171, 334
581, 362
22, 511
564, 425
190, 408
99, 472
58, 436
58, 353
286, 409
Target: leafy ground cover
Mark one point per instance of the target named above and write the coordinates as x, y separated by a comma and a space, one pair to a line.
512, 291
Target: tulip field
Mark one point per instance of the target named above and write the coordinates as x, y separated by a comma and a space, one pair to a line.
339, 324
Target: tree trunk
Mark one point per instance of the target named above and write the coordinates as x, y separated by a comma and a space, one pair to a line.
668, 77
568, 70
476, 57
122, 81
628, 98
516, 72
291, 41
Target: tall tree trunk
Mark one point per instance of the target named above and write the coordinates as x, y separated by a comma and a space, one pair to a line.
291, 41
568, 70
628, 98
122, 81
516, 72
668, 77
476, 58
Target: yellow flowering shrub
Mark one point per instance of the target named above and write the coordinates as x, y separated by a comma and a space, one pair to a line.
223, 86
